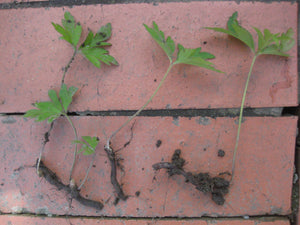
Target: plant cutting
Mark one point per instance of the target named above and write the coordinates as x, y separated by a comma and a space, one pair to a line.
188, 56
92, 49
268, 44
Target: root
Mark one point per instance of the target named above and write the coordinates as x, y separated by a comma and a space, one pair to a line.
113, 175
71, 189
46, 140
203, 182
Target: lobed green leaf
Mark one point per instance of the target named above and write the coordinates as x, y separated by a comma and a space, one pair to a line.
89, 145
287, 41
51, 110
268, 43
104, 32
167, 45
45, 111
70, 31
274, 44
237, 31
95, 55
66, 96
195, 57
92, 47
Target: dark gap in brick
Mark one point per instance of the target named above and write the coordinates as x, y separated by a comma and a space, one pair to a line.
295, 190
288, 111
212, 113
260, 218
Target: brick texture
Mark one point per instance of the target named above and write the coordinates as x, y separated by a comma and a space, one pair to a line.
262, 182
19, 220
34, 57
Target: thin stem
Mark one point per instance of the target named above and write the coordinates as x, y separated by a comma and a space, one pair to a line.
87, 173
76, 138
241, 117
68, 66
142, 108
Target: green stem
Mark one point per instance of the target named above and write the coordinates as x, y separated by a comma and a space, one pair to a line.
68, 66
76, 138
241, 116
142, 108
86, 174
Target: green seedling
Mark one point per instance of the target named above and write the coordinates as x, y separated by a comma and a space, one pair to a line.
268, 44
188, 56
92, 49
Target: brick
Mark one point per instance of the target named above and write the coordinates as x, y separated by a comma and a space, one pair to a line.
34, 57
22, 220
20, 1
262, 183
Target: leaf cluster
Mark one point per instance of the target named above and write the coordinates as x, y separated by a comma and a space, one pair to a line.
268, 43
184, 55
92, 48
51, 110
89, 145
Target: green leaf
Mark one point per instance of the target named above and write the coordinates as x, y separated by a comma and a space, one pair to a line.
89, 145
70, 31
195, 57
66, 95
273, 44
287, 41
273, 50
167, 45
261, 39
237, 31
53, 109
104, 32
92, 47
89, 39
95, 55
46, 110
56, 103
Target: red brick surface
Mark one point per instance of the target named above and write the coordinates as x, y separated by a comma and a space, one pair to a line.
262, 182
11, 1
19, 220
33, 57
19, 1
31, 62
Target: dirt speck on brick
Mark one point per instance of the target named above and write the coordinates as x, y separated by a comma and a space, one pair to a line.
158, 143
8, 120
203, 121
221, 153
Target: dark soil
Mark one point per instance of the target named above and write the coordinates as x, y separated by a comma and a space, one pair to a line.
203, 182
71, 189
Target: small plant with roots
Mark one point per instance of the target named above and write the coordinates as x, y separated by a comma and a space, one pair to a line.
188, 56
92, 49
268, 44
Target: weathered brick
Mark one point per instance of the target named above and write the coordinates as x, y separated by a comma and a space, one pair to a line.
262, 183
34, 57
22, 220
